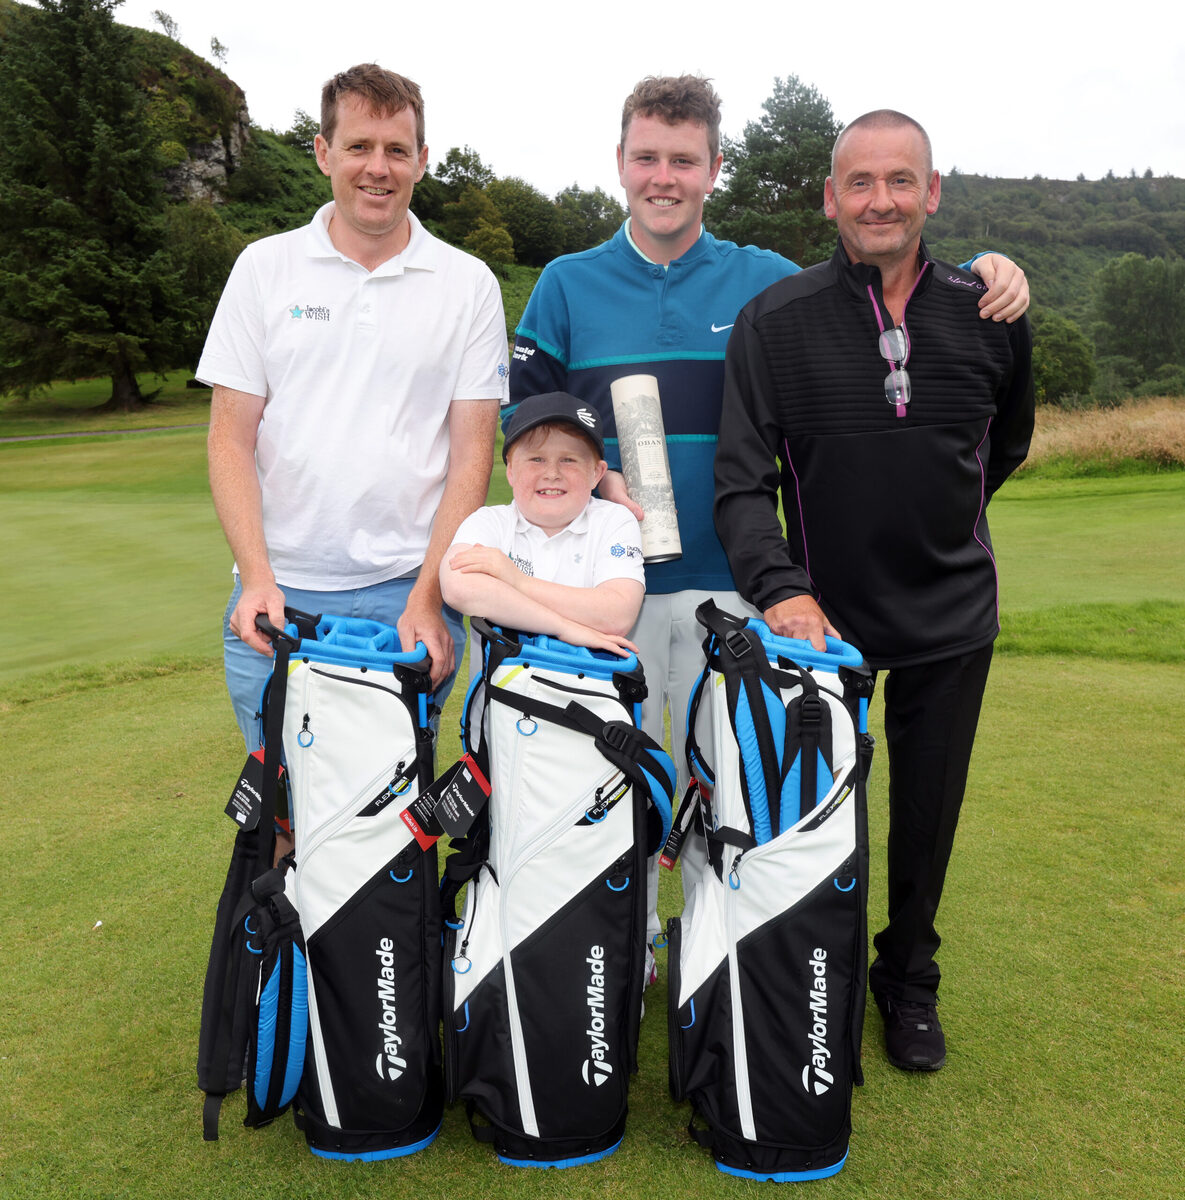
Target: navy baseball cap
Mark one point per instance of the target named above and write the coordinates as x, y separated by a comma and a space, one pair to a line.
555, 408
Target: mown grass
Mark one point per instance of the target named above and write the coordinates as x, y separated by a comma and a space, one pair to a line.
1064, 954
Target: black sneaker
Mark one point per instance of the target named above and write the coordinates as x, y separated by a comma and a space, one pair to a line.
913, 1035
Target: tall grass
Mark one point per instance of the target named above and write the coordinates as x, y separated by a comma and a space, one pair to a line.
1136, 436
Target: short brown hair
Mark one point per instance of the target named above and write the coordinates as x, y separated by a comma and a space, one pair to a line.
675, 98
884, 118
384, 92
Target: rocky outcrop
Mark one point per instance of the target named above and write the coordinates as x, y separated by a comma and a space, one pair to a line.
203, 174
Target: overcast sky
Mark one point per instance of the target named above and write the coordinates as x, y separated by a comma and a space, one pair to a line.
536, 88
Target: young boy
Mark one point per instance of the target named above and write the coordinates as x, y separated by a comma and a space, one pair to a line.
555, 561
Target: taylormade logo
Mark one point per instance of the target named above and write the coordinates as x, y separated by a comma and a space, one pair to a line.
816, 1078
596, 1067
388, 1056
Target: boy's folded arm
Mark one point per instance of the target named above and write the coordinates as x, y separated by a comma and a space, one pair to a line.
610, 607
478, 594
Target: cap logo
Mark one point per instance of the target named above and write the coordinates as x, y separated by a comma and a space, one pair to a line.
586, 417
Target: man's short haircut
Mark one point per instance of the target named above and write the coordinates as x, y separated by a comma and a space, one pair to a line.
884, 118
382, 91
674, 99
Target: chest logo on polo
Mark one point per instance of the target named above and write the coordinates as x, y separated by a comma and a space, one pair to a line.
525, 565
721, 328
310, 312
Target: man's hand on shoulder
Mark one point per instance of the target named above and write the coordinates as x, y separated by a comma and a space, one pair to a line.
612, 487
422, 621
1007, 297
256, 599
800, 617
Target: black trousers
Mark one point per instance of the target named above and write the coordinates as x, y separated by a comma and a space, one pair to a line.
931, 713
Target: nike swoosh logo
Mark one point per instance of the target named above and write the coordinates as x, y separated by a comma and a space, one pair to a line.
721, 328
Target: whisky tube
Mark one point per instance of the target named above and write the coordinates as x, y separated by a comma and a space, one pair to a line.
643, 445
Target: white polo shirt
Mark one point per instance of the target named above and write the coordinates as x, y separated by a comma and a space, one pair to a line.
358, 369
604, 542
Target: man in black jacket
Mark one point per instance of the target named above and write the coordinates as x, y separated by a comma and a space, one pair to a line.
869, 391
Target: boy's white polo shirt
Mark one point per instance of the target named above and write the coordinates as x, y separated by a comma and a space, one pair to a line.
603, 542
358, 369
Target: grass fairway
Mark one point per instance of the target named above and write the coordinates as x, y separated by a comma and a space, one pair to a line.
1064, 961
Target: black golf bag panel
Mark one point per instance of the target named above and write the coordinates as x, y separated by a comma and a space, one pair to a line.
254, 1023
358, 749
543, 995
768, 961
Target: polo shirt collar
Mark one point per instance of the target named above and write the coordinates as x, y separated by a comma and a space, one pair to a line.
693, 251
417, 255
578, 524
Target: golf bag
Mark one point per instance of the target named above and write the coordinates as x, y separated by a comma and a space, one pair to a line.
358, 748
768, 962
254, 1024
543, 998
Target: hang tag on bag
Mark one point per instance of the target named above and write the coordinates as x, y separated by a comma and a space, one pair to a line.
450, 804
246, 800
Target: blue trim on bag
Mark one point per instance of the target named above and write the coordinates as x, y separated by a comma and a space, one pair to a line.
356, 642
544, 651
377, 1155
838, 654
784, 1176
746, 737
298, 1029
559, 1163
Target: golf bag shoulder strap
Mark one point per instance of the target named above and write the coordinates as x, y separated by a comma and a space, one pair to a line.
633, 752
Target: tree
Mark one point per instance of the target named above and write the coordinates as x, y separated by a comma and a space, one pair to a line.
530, 219
304, 129
219, 50
773, 193
1063, 364
87, 284
586, 218
1140, 310
463, 215
463, 168
167, 24
492, 244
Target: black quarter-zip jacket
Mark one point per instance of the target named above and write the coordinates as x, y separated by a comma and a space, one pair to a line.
886, 512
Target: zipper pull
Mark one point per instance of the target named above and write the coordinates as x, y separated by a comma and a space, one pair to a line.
734, 874
305, 732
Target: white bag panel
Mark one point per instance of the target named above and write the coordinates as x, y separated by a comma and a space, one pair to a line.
361, 732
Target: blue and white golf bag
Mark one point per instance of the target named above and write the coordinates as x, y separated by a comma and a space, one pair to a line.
768, 961
543, 992
358, 749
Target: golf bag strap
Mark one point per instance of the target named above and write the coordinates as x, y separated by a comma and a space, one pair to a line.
211, 1110
696, 763
634, 753
273, 732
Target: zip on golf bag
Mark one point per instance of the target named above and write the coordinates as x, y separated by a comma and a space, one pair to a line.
358, 748
543, 998
769, 960
254, 1023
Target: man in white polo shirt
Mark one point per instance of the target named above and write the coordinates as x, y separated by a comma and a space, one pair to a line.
358, 365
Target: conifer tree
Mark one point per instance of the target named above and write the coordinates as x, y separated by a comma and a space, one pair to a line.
87, 284
772, 195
